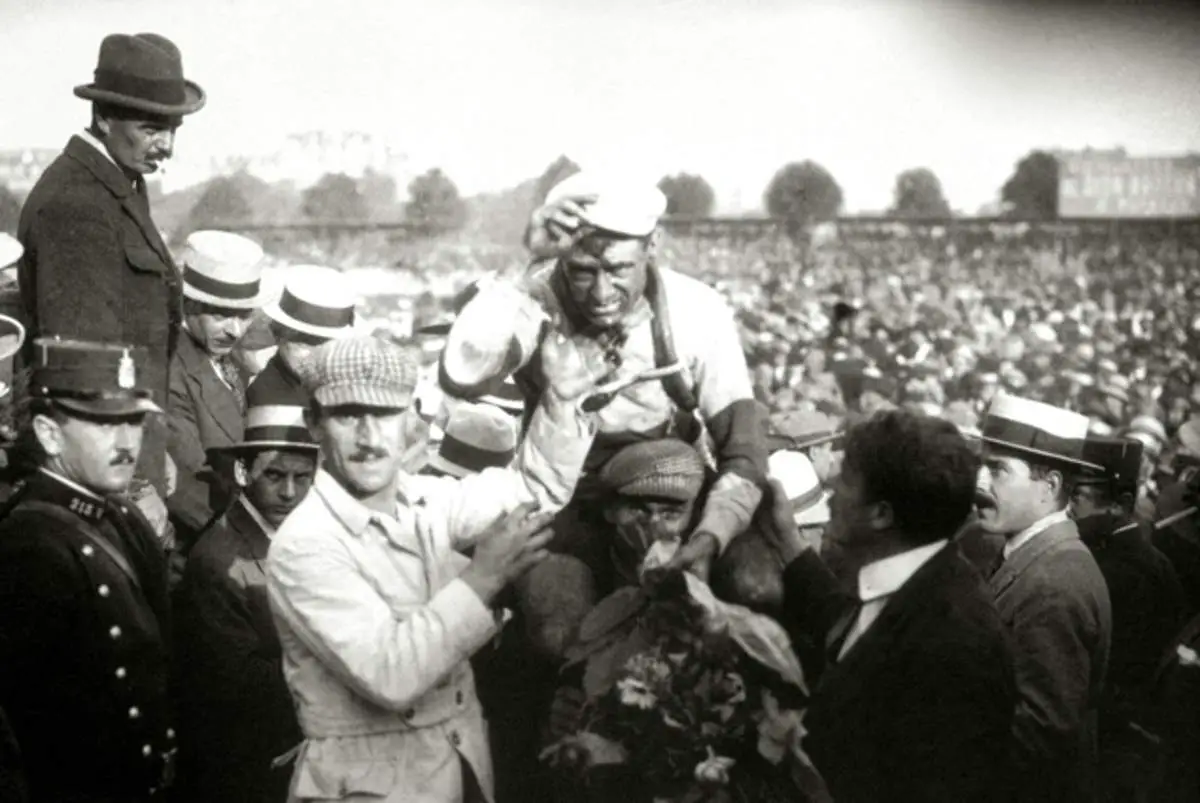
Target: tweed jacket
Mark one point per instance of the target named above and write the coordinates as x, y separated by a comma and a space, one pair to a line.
84, 638
202, 414
230, 669
920, 707
377, 630
96, 268
1054, 601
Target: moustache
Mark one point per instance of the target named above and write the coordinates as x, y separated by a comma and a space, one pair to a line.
123, 458
363, 455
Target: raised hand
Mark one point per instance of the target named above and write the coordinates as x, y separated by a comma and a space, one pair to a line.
515, 544
554, 227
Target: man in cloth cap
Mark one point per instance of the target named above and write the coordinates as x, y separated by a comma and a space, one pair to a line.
232, 691
375, 613
314, 307
95, 265
1049, 590
84, 619
596, 237
1147, 611
222, 288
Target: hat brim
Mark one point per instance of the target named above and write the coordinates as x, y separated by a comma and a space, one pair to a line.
195, 100
814, 514
347, 394
1057, 458
262, 299
446, 467
108, 408
273, 311
256, 446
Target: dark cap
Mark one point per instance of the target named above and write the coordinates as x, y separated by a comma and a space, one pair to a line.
91, 378
1120, 459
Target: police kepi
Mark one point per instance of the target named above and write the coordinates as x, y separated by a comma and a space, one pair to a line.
83, 586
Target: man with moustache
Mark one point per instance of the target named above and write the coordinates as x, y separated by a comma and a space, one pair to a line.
375, 612
1147, 612
314, 308
84, 619
222, 288
917, 696
236, 712
95, 265
1050, 593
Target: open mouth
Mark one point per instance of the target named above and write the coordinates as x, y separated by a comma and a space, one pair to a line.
984, 502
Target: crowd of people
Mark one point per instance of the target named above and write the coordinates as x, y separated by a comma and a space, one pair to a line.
250, 553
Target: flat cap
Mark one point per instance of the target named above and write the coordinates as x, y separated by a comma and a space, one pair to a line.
361, 370
667, 469
627, 206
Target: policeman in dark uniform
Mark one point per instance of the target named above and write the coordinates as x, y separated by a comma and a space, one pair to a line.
1147, 610
84, 619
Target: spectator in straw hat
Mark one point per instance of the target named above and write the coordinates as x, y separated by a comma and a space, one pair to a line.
95, 265
367, 542
476, 437
314, 308
1049, 590
222, 275
232, 692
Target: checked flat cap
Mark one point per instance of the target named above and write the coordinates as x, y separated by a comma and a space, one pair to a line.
667, 469
361, 370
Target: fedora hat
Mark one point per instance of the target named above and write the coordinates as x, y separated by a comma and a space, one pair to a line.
315, 301
145, 72
223, 269
1039, 431
477, 436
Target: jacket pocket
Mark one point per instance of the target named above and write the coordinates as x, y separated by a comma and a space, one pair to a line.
144, 260
328, 778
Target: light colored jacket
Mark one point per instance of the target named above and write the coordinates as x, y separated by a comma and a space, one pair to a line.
377, 629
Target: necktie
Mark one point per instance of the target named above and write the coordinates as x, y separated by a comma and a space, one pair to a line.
233, 378
836, 638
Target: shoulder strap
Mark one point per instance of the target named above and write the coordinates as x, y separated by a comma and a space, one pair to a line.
664, 343
85, 529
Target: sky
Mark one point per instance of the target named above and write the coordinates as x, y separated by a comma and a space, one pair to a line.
493, 90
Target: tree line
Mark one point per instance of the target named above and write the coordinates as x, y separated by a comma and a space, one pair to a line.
800, 193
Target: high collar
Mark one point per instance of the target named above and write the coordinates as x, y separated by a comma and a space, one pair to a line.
50, 486
101, 165
885, 577
1033, 530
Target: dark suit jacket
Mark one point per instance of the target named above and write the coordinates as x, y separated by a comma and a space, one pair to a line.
921, 707
1055, 602
276, 384
96, 268
234, 704
84, 673
202, 414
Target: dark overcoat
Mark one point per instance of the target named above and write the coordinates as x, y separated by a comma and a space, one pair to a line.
84, 629
921, 706
1054, 601
235, 708
96, 268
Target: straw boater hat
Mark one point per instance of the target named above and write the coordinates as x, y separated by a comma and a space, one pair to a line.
12, 333
1039, 431
144, 72
315, 301
223, 269
273, 423
477, 437
810, 502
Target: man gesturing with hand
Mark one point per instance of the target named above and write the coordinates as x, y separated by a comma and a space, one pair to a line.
376, 617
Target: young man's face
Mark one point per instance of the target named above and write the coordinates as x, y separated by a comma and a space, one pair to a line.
278, 481
1010, 498
363, 447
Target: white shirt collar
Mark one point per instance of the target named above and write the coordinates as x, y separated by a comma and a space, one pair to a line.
90, 139
1025, 536
258, 517
885, 577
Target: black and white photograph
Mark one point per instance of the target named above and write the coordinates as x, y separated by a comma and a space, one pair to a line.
674, 401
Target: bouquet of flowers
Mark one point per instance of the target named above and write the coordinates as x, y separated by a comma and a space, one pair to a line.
688, 700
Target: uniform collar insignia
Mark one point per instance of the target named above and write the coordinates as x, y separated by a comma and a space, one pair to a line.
59, 490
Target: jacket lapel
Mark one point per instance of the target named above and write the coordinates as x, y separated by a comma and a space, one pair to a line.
255, 539
218, 400
135, 204
1023, 558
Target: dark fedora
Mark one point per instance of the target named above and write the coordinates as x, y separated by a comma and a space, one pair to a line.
144, 72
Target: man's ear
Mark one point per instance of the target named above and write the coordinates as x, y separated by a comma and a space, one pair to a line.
241, 474
49, 434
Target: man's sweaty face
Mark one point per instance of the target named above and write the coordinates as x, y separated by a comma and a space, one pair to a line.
606, 278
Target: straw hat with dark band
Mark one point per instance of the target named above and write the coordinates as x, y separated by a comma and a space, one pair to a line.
316, 302
1038, 430
223, 269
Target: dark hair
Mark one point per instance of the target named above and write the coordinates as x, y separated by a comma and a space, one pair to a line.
193, 306
922, 467
1040, 471
27, 454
